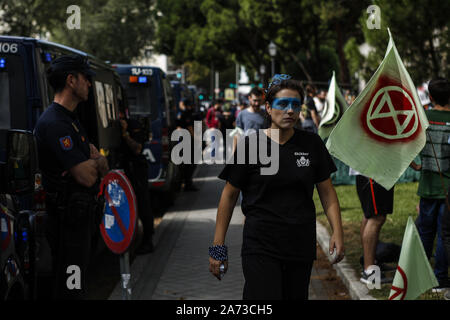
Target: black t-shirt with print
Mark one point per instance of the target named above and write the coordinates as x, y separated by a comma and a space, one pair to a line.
279, 209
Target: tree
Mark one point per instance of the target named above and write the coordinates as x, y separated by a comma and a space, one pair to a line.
420, 30
112, 30
31, 17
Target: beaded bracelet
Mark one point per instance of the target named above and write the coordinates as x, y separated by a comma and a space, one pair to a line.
219, 252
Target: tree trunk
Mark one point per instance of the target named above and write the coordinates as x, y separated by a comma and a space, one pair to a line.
434, 58
344, 76
301, 65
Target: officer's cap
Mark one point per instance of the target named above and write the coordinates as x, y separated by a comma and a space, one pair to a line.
69, 63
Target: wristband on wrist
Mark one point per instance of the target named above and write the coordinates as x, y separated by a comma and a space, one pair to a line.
219, 252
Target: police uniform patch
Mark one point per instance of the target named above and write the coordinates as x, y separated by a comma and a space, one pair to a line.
66, 143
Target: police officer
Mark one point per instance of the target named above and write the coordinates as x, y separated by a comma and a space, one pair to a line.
186, 121
71, 168
135, 166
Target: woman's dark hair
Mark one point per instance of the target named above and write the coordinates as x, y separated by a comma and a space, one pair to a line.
274, 89
285, 84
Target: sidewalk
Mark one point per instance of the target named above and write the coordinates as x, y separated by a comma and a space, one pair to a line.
179, 268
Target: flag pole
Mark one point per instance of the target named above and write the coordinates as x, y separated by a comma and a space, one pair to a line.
440, 173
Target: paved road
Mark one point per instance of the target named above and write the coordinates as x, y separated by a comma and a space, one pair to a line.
178, 268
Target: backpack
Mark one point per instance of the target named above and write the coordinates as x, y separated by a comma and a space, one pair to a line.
385, 253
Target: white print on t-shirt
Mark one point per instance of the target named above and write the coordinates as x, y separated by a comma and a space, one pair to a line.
301, 154
302, 162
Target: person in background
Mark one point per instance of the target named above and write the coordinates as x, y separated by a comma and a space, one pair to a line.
186, 121
432, 187
319, 101
308, 116
242, 106
446, 235
376, 203
213, 115
252, 118
136, 168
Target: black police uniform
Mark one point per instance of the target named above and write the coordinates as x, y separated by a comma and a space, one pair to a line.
186, 120
136, 169
62, 143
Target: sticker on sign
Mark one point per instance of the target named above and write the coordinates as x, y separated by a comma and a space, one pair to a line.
109, 221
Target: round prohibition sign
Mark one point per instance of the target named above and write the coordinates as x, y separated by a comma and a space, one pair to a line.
392, 114
119, 216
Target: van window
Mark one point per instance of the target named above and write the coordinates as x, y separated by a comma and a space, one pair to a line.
139, 99
102, 108
5, 119
110, 102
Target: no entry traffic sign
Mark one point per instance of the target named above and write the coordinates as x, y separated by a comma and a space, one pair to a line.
119, 217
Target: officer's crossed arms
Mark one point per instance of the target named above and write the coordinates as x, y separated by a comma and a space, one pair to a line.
102, 163
87, 172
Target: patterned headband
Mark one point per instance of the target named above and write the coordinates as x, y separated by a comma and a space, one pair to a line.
277, 80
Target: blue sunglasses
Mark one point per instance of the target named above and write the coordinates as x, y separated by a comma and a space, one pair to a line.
285, 104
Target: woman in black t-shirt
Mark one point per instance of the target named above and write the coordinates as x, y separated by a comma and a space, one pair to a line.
279, 237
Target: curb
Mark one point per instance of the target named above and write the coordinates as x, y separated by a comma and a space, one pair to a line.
357, 290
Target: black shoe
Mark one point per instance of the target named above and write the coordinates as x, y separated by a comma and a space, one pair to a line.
146, 247
191, 188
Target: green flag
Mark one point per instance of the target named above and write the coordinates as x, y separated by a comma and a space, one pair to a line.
335, 106
414, 275
384, 128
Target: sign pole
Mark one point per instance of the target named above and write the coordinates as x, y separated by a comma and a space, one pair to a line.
125, 275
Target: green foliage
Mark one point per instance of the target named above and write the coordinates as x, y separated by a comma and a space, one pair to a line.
31, 17
113, 30
354, 57
420, 29
313, 37
220, 32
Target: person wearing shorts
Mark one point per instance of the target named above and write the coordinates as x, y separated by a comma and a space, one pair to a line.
376, 203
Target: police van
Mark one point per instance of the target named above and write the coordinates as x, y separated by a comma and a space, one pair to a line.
151, 101
24, 95
17, 250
